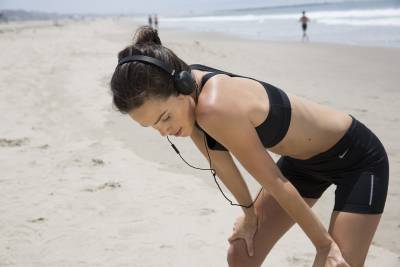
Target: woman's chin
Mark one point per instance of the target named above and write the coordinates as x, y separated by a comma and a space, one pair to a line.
184, 134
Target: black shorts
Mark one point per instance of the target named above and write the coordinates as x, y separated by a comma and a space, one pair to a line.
357, 165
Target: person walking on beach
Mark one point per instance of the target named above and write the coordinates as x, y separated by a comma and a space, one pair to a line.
3, 18
304, 22
156, 21
150, 21
319, 146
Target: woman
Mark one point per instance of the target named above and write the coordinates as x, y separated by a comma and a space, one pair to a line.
319, 146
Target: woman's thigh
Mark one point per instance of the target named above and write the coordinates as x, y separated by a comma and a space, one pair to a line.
274, 222
353, 233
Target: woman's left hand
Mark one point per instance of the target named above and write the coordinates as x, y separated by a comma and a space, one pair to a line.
245, 228
330, 257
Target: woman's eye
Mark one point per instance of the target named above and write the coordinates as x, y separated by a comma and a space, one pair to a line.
166, 118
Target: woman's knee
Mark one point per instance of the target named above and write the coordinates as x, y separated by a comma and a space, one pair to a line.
237, 255
353, 259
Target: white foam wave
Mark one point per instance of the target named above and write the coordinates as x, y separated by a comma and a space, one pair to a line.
362, 22
377, 17
373, 13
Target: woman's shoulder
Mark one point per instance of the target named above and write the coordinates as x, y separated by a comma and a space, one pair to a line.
229, 98
218, 97
224, 114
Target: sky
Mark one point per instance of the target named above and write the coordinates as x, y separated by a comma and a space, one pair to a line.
141, 6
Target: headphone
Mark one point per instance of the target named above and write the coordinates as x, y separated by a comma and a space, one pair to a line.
183, 80
184, 84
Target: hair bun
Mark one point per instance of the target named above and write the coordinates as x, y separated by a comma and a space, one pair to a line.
146, 35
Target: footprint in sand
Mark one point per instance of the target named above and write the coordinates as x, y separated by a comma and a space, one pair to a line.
363, 110
13, 142
163, 246
97, 162
206, 211
37, 220
111, 185
298, 261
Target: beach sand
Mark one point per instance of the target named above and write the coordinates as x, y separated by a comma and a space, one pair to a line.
82, 185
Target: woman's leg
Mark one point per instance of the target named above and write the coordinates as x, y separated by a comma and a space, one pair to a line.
274, 223
353, 233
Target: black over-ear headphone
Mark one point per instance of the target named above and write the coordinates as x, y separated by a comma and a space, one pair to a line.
184, 84
183, 80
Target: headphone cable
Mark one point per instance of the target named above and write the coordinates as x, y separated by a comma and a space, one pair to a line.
213, 172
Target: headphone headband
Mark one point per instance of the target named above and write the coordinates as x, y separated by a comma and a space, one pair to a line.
147, 59
183, 81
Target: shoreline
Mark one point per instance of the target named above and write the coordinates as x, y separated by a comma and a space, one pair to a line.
249, 39
12, 26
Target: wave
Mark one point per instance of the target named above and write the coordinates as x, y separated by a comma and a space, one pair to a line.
372, 17
372, 13
395, 21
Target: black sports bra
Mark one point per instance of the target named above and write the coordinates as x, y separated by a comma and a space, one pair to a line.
275, 126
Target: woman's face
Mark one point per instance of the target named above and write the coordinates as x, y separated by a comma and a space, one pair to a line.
172, 116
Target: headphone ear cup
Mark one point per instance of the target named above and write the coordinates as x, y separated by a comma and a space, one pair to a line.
184, 82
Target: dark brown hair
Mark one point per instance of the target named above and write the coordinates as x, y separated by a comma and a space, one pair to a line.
133, 83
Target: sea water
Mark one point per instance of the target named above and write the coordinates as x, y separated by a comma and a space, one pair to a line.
370, 23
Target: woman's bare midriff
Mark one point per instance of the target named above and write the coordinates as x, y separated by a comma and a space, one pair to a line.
313, 129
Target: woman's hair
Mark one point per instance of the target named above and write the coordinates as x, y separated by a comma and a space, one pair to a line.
134, 82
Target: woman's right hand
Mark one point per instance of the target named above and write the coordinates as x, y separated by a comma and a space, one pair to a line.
330, 257
245, 228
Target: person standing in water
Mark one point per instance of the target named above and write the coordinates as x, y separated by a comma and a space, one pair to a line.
156, 21
150, 21
304, 21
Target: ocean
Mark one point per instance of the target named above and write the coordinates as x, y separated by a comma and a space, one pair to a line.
367, 23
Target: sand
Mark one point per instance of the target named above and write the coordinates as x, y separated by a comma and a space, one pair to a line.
82, 185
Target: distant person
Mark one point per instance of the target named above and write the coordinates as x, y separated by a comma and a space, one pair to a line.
156, 21
3, 18
150, 20
304, 20
319, 147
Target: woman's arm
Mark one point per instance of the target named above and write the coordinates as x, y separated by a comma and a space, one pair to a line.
227, 171
233, 129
